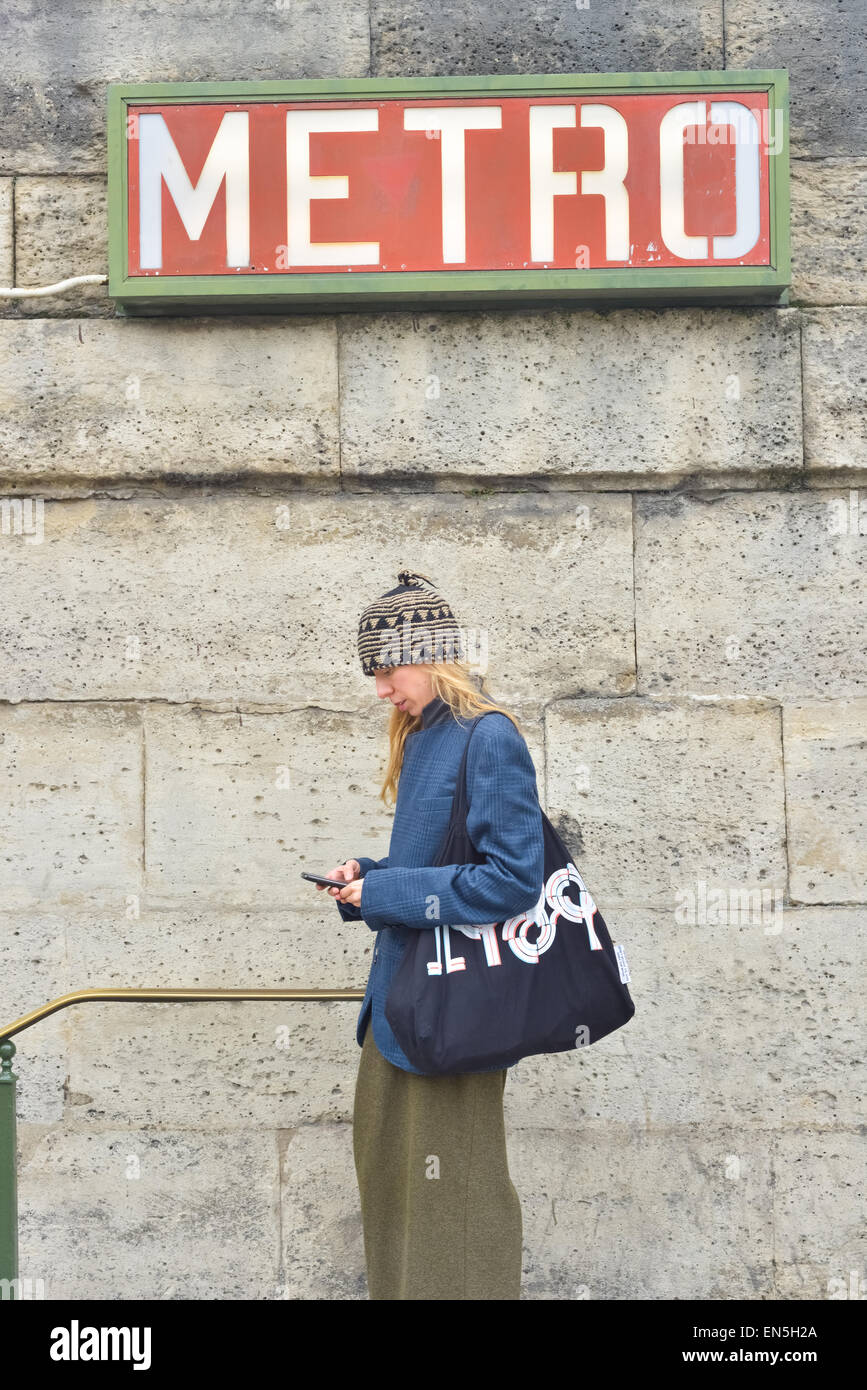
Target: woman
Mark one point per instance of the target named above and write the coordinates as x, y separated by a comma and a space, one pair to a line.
440, 1215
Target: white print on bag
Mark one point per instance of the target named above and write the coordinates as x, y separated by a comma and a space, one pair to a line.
553, 896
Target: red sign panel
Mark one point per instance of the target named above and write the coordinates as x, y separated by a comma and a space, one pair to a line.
519, 183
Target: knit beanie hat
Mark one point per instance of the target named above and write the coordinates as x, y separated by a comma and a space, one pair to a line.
408, 626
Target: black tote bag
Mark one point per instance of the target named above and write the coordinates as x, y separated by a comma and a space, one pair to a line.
468, 998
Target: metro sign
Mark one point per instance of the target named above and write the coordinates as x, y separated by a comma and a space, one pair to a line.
649, 187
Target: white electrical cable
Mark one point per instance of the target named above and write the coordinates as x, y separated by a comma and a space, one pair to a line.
6, 293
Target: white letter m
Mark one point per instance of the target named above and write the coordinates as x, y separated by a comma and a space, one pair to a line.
228, 158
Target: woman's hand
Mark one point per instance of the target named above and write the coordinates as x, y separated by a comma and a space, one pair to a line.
351, 894
350, 872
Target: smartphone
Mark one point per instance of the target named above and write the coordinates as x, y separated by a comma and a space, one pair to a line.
320, 878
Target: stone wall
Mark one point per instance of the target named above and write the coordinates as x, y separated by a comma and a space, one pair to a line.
652, 518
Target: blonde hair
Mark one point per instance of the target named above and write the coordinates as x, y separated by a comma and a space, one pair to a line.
453, 682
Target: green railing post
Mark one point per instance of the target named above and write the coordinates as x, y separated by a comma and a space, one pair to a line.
8, 1171
10, 1286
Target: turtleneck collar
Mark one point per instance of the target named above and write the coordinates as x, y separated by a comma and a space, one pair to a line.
435, 712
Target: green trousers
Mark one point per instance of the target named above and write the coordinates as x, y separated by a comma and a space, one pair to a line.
440, 1215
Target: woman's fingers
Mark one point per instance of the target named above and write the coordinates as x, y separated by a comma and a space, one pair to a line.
347, 872
332, 873
351, 870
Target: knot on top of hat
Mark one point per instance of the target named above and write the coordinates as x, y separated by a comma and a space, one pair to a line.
408, 576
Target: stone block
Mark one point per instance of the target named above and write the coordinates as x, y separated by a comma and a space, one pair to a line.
202, 398
768, 590
449, 38
824, 53
712, 394
835, 422
323, 1245
239, 805
829, 235
631, 1215
32, 973
818, 1226
744, 1018
71, 819
61, 230
7, 258
824, 745
230, 599
59, 63
252, 1066
168, 1214
656, 797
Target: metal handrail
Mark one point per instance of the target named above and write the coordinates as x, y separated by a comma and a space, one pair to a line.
8, 1079
170, 996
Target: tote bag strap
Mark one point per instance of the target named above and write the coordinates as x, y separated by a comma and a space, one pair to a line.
460, 803
460, 800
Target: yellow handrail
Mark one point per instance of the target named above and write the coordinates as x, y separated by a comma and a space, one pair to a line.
170, 996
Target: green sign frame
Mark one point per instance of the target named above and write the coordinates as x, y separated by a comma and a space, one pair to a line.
311, 293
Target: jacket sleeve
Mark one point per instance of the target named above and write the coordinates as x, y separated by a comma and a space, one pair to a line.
505, 824
348, 912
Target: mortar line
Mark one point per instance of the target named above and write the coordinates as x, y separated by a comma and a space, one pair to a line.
13, 213
339, 387
281, 1270
636, 691
144, 793
804, 474
785, 808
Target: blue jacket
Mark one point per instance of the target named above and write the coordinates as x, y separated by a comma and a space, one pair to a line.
505, 824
